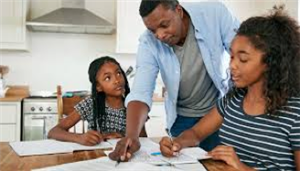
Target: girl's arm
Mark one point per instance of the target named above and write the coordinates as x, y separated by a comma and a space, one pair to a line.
206, 126
60, 131
210, 123
297, 159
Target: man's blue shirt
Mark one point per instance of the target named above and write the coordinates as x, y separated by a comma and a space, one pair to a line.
214, 30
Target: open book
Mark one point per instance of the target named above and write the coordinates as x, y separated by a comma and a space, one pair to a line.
42, 147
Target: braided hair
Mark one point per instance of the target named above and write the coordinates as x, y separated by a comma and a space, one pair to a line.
99, 97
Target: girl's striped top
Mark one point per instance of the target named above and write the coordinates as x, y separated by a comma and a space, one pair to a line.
263, 142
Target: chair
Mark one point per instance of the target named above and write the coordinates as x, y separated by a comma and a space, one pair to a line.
65, 105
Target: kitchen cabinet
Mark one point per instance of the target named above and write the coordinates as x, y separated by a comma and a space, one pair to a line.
13, 32
129, 26
10, 117
156, 125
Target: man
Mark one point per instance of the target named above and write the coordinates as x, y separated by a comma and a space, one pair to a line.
187, 45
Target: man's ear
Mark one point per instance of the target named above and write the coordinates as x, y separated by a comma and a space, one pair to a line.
180, 10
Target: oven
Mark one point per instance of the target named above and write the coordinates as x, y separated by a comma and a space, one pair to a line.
39, 116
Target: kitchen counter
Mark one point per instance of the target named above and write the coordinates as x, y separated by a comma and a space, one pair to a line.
15, 94
157, 98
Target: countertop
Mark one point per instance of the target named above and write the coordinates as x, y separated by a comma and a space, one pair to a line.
157, 98
15, 93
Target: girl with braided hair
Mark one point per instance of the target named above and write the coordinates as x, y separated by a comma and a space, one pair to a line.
104, 109
259, 119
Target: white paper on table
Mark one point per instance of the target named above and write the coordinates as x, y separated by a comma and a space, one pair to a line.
42, 147
195, 152
148, 147
104, 164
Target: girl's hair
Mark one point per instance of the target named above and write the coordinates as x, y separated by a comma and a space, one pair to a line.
99, 97
277, 36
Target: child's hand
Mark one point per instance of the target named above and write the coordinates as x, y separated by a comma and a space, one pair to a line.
90, 138
168, 147
111, 135
229, 156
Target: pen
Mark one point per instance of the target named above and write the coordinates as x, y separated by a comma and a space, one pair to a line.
119, 160
170, 136
156, 153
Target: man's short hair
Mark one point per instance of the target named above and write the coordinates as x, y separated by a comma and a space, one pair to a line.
147, 6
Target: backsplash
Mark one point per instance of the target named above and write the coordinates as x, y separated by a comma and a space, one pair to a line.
59, 59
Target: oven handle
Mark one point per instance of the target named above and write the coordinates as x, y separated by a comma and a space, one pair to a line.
37, 118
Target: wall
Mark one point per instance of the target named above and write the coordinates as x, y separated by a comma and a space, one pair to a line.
243, 9
59, 59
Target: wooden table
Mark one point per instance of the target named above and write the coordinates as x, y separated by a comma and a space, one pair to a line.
10, 161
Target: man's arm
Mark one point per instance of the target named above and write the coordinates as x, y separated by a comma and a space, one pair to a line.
137, 113
138, 101
229, 25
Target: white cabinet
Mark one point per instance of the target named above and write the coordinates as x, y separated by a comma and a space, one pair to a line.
129, 26
10, 121
13, 32
156, 125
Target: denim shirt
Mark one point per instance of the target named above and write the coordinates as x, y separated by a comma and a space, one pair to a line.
214, 30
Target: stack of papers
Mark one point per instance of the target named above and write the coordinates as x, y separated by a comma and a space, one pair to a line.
42, 147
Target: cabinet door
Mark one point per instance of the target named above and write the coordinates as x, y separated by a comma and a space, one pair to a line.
8, 113
12, 24
10, 121
129, 26
7, 133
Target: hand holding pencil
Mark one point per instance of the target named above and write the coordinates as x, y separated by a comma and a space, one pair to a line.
125, 149
169, 146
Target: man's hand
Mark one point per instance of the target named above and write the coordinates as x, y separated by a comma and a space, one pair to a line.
168, 147
125, 148
90, 138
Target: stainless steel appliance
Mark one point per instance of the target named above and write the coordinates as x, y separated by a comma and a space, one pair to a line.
39, 116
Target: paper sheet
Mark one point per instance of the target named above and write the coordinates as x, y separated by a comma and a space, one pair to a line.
195, 152
142, 160
148, 147
42, 147
105, 164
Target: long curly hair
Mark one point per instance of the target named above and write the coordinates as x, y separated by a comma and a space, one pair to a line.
99, 97
278, 36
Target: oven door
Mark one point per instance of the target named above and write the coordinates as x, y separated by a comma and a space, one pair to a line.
37, 126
